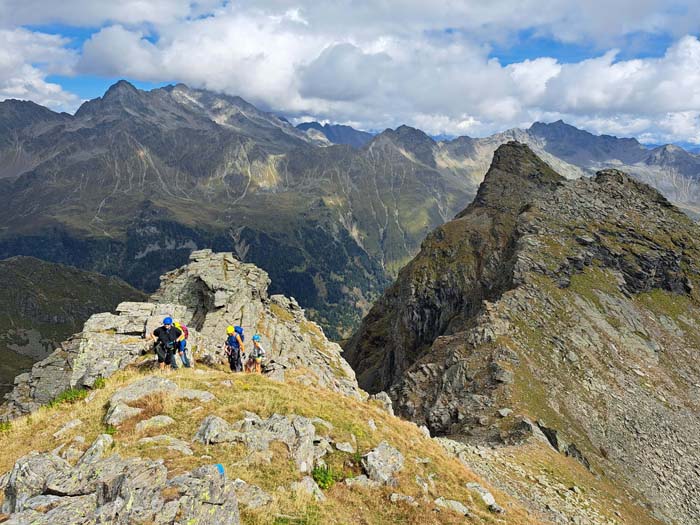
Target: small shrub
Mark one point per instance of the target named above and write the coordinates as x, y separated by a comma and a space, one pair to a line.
111, 430
71, 395
325, 477
5, 426
99, 383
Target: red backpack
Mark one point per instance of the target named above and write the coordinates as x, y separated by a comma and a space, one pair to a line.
185, 331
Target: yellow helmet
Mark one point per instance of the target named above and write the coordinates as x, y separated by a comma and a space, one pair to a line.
230, 330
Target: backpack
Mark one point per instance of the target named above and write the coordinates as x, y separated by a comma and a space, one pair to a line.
239, 331
185, 331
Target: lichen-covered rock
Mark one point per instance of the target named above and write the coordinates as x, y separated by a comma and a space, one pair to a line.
251, 496
155, 422
208, 498
99, 448
214, 429
169, 443
221, 290
382, 463
28, 478
298, 433
43, 489
120, 412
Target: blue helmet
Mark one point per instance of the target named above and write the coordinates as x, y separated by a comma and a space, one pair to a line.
168, 320
256, 337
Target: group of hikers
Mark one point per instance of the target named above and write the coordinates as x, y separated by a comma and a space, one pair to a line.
170, 340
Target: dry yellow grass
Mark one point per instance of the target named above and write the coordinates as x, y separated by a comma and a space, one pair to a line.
258, 394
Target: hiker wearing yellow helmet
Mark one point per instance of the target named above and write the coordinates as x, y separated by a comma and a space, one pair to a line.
182, 342
235, 351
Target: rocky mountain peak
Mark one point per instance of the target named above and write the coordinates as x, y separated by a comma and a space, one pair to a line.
515, 176
121, 97
120, 88
573, 303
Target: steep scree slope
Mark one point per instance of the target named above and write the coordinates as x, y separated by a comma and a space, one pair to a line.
573, 304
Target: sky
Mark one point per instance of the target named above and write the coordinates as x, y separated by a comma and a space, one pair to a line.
454, 67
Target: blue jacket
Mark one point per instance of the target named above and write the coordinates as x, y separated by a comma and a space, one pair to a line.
232, 342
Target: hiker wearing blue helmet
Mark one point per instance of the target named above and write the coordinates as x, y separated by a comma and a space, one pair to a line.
256, 356
167, 339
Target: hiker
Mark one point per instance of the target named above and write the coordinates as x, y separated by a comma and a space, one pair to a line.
166, 338
256, 356
182, 348
235, 350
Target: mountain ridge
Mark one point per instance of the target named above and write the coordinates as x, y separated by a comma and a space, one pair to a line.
129, 185
571, 302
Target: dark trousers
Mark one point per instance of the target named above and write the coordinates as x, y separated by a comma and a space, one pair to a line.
234, 360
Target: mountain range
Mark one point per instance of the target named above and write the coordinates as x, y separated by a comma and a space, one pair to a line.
136, 180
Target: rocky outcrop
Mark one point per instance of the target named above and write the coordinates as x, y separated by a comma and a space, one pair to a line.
44, 489
212, 292
382, 463
572, 304
296, 432
218, 290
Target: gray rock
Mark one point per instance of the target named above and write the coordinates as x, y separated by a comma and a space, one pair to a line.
214, 429
169, 443
214, 285
208, 498
120, 412
251, 496
192, 395
362, 481
155, 422
505, 412
28, 478
97, 450
297, 432
486, 497
453, 505
73, 423
141, 388
384, 401
308, 486
43, 489
345, 447
402, 498
382, 463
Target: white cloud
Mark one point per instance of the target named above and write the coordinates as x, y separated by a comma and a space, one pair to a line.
382, 64
95, 12
25, 59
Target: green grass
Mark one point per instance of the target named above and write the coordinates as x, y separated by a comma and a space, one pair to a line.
72, 395
325, 477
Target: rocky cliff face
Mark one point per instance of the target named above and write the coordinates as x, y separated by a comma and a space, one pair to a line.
565, 309
208, 294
